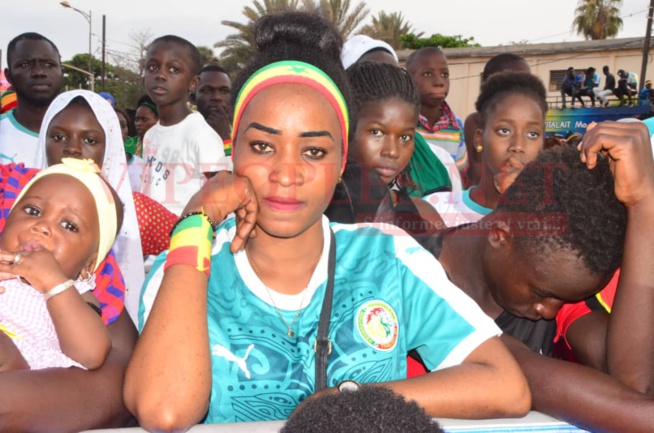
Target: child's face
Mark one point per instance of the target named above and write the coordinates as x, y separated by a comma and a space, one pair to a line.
384, 136
144, 120
75, 133
168, 75
57, 214
536, 285
291, 156
213, 91
432, 76
514, 128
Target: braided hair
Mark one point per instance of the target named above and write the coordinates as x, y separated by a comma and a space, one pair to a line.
373, 82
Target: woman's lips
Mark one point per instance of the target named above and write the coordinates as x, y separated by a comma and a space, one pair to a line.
388, 172
283, 204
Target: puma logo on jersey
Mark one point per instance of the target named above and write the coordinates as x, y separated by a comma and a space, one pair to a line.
224, 352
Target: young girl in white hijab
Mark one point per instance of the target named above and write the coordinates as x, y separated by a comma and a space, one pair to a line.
97, 137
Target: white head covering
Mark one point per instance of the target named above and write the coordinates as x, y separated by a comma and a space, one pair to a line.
127, 246
358, 45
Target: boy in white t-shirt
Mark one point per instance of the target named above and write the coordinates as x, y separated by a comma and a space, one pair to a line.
181, 151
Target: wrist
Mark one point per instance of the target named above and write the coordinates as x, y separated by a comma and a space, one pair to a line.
59, 288
190, 242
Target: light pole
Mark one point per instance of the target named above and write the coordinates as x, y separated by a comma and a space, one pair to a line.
88, 16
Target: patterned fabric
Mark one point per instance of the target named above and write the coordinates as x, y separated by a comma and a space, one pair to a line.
390, 296
110, 286
155, 224
24, 314
447, 133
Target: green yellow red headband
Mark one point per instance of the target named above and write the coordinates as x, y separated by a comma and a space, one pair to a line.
292, 71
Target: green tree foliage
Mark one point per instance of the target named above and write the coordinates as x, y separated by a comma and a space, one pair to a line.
414, 42
237, 47
388, 28
598, 19
125, 85
207, 56
338, 12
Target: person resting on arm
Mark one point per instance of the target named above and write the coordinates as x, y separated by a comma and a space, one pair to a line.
230, 334
557, 236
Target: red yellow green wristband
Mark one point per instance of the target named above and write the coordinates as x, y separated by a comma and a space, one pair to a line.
190, 243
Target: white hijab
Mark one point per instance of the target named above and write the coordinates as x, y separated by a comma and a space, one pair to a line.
127, 246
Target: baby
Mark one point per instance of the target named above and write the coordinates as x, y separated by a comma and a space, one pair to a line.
61, 227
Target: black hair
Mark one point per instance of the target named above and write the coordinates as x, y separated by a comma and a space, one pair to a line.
195, 61
503, 84
417, 54
29, 36
605, 68
214, 68
146, 101
297, 36
500, 63
373, 82
569, 208
131, 129
373, 409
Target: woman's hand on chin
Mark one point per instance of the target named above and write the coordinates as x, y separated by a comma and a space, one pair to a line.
223, 194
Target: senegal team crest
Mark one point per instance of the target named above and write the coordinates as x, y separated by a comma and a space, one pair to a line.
377, 324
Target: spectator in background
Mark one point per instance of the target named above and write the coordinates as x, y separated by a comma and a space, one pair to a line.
571, 85
609, 87
627, 86
109, 98
646, 95
125, 123
34, 71
146, 116
499, 63
362, 48
212, 101
590, 82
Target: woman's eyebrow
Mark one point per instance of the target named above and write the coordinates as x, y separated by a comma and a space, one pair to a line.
263, 128
316, 134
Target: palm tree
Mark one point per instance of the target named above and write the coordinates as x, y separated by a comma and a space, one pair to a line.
337, 12
238, 46
598, 19
388, 28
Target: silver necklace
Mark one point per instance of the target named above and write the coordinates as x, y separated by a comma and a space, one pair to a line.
289, 327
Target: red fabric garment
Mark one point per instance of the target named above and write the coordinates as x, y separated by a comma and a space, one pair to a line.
571, 312
155, 223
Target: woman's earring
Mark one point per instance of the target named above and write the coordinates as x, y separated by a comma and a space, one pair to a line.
340, 179
479, 148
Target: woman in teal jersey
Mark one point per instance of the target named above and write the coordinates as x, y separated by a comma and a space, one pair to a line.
231, 332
